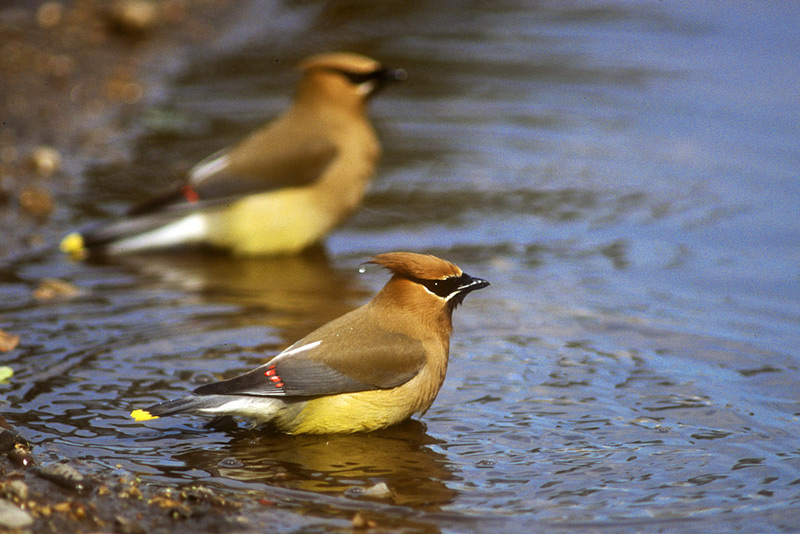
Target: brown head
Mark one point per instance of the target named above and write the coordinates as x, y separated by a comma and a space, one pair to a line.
426, 285
344, 77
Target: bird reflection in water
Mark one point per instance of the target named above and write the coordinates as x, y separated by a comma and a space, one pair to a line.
400, 456
293, 294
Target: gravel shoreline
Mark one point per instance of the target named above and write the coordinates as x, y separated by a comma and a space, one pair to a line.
72, 72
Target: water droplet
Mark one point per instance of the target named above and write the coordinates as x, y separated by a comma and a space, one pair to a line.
362, 269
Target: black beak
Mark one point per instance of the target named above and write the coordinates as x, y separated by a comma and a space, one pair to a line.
384, 77
471, 284
466, 284
393, 75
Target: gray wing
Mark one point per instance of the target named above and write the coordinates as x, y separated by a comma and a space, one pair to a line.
272, 167
320, 364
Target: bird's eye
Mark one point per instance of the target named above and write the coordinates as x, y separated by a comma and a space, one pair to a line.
357, 78
441, 288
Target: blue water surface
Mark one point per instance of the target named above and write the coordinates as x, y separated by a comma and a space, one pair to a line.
624, 173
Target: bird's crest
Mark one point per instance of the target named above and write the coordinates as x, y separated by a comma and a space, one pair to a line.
341, 61
421, 266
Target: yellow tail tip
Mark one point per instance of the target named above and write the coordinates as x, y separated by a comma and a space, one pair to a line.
74, 246
142, 415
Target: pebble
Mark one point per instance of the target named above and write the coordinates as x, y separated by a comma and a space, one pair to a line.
8, 438
21, 455
65, 476
12, 517
18, 489
49, 15
46, 160
378, 491
8, 341
37, 201
360, 522
134, 16
52, 288
126, 526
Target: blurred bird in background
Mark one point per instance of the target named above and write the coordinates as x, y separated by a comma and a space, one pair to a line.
373, 367
280, 190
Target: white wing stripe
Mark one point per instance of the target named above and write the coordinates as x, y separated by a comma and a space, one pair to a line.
302, 348
208, 167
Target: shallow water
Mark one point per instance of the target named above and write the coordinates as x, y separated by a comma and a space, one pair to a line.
624, 173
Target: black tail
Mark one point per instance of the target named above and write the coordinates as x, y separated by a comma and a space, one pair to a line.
192, 404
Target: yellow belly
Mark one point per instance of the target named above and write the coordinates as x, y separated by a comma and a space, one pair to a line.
350, 412
281, 222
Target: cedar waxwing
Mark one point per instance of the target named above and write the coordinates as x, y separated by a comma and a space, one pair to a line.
370, 368
280, 190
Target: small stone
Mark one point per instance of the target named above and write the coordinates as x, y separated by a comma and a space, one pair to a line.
378, 491
174, 508
12, 517
131, 492
20, 455
134, 16
8, 438
8, 341
18, 489
46, 160
37, 201
49, 15
65, 476
126, 526
51, 288
361, 522
124, 91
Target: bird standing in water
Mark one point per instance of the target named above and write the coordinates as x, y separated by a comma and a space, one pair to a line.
371, 368
280, 190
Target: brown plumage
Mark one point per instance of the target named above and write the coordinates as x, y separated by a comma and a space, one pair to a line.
370, 368
280, 190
